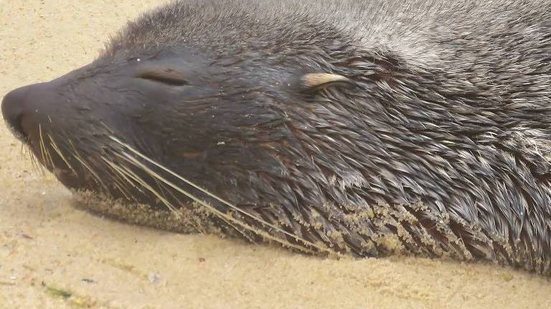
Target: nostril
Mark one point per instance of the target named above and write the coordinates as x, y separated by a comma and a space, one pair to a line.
13, 106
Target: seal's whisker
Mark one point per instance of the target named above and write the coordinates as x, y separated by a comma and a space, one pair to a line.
224, 216
171, 207
120, 174
137, 179
120, 187
81, 160
164, 190
55, 147
41, 144
36, 167
162, 185
197, 227
134, 180
96, 178
36, 163
23, 148
46, 150
230, 218
120, 180
260, 220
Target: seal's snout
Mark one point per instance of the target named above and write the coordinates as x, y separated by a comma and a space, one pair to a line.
13, 108
25, 108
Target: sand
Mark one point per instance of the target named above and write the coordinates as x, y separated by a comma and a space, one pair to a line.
53, 255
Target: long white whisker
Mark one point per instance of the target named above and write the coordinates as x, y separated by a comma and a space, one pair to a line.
143, 183
124, 171
44, 150
263, 233
224, 215
95, 176
119, 180
60, 154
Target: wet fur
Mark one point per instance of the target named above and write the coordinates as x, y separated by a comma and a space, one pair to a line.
441, 148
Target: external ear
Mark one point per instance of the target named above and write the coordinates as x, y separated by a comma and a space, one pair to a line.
317, 81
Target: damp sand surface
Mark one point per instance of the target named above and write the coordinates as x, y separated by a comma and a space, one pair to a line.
53, 255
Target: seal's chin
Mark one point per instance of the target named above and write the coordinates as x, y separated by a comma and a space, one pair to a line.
81, 182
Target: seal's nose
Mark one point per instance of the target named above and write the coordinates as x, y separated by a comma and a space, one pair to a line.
13, 107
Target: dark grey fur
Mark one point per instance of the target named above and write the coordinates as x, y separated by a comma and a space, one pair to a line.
442, 147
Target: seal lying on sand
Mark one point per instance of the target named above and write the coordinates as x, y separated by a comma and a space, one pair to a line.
363, 127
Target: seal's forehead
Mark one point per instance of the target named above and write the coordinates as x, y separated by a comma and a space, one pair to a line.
220, 25
207, 24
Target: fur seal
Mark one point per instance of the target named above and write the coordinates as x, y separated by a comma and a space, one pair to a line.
359, 127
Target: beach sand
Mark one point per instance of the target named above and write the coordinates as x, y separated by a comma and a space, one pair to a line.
53, 255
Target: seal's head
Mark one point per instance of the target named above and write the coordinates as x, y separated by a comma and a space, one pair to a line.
314, 130
217, 105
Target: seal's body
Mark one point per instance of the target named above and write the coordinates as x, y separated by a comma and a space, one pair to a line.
367, 127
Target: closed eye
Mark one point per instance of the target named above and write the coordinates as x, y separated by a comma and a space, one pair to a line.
164, 76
